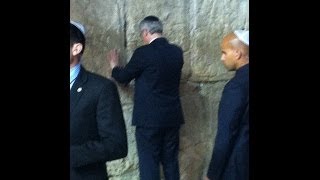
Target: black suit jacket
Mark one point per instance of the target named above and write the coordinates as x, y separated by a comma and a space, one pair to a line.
230, 157
97, 129
156, 68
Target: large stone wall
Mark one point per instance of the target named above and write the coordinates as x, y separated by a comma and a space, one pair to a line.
197, 26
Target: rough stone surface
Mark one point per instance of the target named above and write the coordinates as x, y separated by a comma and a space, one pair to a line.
197, 26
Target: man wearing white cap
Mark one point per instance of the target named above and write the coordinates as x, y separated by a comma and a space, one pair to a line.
230, 157
97, 129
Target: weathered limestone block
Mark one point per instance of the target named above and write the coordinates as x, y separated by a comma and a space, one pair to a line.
198, 27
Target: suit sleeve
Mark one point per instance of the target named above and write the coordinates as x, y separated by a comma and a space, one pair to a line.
231, 108
132, 70
113, 138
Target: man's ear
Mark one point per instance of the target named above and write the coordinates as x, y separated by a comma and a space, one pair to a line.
76, 49
237, 53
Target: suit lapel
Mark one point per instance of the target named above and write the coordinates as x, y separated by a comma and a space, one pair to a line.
77, 89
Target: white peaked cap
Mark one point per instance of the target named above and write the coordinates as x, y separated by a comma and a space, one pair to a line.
243, 36
79, 26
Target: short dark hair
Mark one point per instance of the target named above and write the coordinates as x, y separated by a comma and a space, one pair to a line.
76, 36
152, 24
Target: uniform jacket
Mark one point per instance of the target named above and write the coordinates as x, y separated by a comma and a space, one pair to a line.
230, 158
97, 128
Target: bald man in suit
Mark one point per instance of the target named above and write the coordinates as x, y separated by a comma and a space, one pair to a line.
230, 157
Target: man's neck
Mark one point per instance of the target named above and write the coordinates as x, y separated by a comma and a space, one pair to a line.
242, 63
74, 62
154, 36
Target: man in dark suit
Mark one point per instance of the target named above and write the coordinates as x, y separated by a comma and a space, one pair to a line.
230, 157
97, 129
157, 114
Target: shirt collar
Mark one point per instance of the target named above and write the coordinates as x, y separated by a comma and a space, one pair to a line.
74, 71
153, 39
